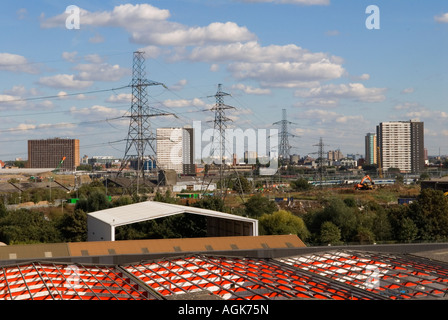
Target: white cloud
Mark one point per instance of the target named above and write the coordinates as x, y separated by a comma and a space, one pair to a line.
214, 67
284, 66
64, 81
97, 38
178, 35
94, 58
286, 74
355, 91
126, 15
182, 103
18, 90
151, 52
251, 90
22, 13
408, 90
100, 72
179, 85
96, 112
253, 52
442, 18
274, 65
16, 63
70, 56
318, 103
27, 126
329, 118
407, 106
8, 101
120, 98
427, 114
46, 104
149, 25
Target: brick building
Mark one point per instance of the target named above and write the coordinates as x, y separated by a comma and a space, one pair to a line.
48, 153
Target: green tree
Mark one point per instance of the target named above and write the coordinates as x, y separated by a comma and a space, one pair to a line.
301, 184
350, 202
408, 231
73, 226
337, 212
166, 198
330, 233
122, 201
86, 189
283, 222
211, 203
3, 210
381, 227
364, 235
23, 226
257, 205
430, 215
96, 201
241, 184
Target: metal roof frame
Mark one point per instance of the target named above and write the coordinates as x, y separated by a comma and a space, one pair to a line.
42, 281
333, 275
396, 276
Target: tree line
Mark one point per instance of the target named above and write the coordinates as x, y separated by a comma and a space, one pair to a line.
338, 221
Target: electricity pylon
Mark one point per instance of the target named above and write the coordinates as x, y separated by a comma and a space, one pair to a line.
140, 137
219, 128
320, 161
284, 147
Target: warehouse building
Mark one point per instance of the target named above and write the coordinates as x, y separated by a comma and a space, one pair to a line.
101, 224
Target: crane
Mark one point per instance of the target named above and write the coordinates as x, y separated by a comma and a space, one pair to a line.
59, 165
364, 185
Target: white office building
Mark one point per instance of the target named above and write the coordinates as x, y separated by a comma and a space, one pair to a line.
175, 149
401, 145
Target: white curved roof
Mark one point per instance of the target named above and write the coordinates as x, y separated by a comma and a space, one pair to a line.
148, 210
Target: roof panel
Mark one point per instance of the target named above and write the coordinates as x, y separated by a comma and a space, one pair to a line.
152, 210
335, 275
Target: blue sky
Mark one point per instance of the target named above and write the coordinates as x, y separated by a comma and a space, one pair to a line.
315, 58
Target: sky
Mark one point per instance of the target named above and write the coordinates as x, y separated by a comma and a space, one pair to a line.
337, 68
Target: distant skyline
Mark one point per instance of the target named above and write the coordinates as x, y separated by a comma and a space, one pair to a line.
336, 78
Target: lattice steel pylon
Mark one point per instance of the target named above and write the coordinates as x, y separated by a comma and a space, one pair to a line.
140, 136
219, 128
320, 161
284, 147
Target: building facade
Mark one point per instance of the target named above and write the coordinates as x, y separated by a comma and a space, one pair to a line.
49, 153
175, 150
371, 149
401, 145
334, 155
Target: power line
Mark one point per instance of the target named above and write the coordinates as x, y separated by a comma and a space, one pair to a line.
61, 95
